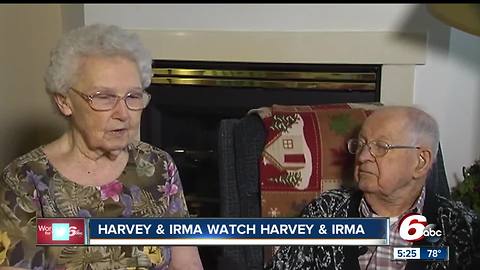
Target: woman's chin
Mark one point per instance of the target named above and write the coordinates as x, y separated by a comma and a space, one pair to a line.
112, 155
114, 147
116, 142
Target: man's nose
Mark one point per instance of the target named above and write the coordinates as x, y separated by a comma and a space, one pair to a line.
364, 154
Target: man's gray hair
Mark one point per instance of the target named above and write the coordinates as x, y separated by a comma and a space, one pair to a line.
424, 128
94, 40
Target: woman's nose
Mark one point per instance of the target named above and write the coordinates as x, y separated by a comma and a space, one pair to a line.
120, 111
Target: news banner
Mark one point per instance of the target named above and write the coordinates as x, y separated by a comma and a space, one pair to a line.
226, 231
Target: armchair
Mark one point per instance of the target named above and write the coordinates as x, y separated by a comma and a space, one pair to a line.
240, 146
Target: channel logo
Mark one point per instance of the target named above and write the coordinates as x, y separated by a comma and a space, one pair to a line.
60, 231
414, 227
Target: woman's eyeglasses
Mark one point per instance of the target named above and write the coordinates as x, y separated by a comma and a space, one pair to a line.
105, 102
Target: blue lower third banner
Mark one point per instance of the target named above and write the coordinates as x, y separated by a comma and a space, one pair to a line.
238, 231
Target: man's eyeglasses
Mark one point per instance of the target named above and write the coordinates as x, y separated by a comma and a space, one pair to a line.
376, 148
99, 101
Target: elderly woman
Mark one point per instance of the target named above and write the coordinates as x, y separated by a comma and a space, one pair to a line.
96, 79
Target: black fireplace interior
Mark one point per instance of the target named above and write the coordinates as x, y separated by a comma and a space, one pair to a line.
190, 98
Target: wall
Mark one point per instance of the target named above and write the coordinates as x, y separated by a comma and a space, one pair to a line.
433, 81
463, 115
72, 16
27, 34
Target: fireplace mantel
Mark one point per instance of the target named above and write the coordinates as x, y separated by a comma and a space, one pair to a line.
398, 52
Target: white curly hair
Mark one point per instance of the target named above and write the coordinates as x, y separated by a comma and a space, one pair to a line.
94, 40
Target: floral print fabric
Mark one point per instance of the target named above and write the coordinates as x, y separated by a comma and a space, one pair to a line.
31, 187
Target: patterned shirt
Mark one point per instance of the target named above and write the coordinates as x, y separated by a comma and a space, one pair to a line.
380, 257
31, 187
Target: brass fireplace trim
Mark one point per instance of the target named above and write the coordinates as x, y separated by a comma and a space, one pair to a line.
360, 81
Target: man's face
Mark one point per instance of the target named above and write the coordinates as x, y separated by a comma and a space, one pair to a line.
384, 175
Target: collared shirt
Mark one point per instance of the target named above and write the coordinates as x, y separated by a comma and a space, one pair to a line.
380, 257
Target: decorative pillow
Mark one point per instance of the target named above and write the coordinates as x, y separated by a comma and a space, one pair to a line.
305, 154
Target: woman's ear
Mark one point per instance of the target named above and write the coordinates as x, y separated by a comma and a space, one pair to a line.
424, 163
63, 104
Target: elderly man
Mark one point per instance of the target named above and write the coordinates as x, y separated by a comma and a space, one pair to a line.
395, 150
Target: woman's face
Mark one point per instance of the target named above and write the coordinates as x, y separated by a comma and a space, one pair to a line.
105, 130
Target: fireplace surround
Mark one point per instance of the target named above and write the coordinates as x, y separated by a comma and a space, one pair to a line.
190, 98
184, 114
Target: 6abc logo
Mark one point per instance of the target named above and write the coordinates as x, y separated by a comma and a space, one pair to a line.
413, 227
63, 231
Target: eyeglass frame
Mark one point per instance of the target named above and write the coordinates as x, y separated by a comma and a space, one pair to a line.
89, 99
387, 149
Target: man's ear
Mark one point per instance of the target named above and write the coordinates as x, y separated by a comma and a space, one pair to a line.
424, 163
63, 104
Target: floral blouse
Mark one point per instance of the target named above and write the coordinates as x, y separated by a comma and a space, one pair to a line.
31, 187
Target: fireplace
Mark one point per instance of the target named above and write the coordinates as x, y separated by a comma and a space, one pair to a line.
396, 55
190, 98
